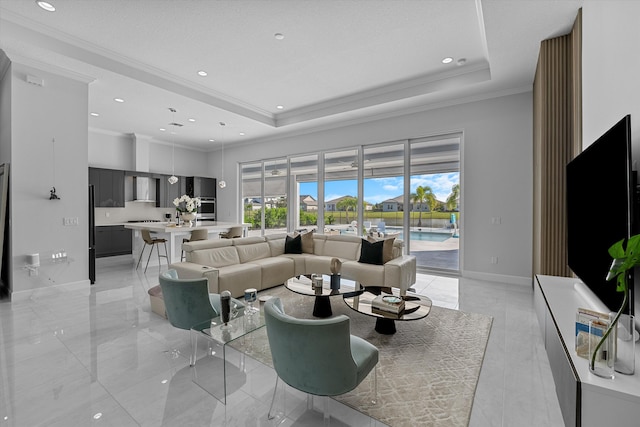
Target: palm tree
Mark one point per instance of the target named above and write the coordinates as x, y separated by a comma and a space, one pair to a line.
421, 196
349, 202
452, 200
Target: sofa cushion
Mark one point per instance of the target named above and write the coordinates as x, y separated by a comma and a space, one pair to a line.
371, 253
248, 253
299, 261
275, 270
387, 247
236, 278
293, 245
343, 247
218, 257
365, 274
276, 243
318, 264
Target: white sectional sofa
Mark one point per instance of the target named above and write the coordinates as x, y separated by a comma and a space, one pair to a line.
261, 262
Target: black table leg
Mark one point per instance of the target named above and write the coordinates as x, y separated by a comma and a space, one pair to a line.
385, 326
322, 307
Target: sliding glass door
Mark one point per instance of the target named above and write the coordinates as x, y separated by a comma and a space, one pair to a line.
383, 178
410, 189
434, 202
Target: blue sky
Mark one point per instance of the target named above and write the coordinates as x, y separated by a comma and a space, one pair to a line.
378, 189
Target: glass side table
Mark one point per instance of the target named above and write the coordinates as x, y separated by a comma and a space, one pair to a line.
206, 372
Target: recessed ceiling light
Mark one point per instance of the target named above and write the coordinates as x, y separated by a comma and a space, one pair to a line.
212, 140
241, 134
46, 6
97, 416
94, 114
118, 99
447, 60
461, 61
162, 129
202, 73
279, 36
280, 107
191, 120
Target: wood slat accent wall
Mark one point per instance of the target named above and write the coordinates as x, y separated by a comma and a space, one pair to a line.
557, 138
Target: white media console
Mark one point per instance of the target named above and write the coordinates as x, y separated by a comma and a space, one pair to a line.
585, 399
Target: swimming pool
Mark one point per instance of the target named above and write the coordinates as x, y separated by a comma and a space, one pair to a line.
425, 236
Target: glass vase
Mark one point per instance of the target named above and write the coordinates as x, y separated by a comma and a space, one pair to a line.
604, 360
625, 359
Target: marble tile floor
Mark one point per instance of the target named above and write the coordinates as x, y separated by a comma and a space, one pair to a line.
100, 356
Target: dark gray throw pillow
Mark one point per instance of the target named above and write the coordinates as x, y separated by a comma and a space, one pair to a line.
293, 245
371, 253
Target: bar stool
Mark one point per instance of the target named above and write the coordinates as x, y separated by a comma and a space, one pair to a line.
200, 234
232, 233
148, 240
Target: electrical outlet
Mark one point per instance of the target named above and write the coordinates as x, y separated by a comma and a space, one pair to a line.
70, 221
494, 260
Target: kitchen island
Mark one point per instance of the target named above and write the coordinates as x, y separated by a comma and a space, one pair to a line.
174, 235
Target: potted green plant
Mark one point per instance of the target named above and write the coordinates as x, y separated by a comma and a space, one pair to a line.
626, 255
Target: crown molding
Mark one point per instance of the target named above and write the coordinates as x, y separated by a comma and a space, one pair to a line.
97, 56
405, 89
48, 68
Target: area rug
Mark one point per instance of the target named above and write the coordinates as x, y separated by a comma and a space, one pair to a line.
428, 370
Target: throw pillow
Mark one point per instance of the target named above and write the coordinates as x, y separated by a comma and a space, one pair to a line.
307, 242
371, 253
387, 247
293, 245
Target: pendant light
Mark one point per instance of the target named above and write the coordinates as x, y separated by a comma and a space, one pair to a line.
222, 183
173, 178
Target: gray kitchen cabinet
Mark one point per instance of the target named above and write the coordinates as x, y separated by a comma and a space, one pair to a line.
108, 187
169, 192
113, 240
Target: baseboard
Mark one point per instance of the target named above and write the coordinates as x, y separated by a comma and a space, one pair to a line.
500, 278
39, 292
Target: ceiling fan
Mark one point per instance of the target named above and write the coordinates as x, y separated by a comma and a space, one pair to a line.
354, 164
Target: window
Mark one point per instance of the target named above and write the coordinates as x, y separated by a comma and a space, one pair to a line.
408, 188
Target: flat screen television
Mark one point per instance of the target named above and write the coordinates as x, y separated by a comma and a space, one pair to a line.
600, 210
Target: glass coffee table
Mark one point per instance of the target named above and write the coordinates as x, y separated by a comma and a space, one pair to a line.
207, 375
416, 307
322, 305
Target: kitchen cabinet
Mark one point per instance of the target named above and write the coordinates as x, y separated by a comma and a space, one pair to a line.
201, 187
108, 187
168, 192
113, 240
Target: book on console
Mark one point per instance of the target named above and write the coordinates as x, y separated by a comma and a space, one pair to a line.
387, 314
388, 303
583, 336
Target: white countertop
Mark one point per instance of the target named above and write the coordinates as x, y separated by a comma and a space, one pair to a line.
163, 227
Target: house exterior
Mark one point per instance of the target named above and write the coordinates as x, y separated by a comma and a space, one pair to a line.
393, 205
308, 203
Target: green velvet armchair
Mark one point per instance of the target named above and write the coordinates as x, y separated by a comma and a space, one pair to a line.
319, 357
188, 303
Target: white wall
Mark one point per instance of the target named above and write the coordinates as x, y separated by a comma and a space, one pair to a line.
610, 68
116, 151
38, 115
611, 73
496, 174
5, 108
110, 150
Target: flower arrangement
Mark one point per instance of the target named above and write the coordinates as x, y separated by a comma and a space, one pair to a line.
186, 204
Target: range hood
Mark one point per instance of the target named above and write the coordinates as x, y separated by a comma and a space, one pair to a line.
144, 189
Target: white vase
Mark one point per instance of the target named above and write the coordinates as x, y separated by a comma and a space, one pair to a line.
188, 218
